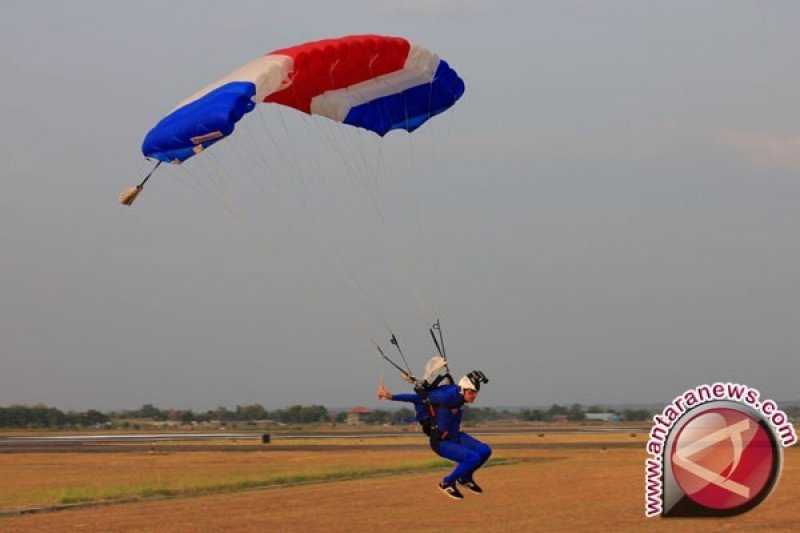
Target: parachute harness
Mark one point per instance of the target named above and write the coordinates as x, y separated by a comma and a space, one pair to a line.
423, 387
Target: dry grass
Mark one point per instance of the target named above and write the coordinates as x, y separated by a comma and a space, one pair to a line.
584, 490
36, 479
46, 479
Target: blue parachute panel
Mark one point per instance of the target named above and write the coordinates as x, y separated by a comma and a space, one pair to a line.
411, 108
200, 123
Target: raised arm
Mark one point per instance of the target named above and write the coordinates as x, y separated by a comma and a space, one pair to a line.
383, 394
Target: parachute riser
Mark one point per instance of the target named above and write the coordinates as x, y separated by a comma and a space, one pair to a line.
129, 195
439, 343
141, 185
408, 376
396, 343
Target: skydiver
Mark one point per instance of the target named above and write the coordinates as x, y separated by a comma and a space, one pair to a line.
446, 437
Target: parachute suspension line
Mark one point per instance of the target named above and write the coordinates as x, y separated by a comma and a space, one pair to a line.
333, 264
354, 141
215, 177
347, 154
210, 185
374, 168
340, 312
295, 159
341, 141
267, 171
433, 231
336, 142
227, 203
380, 164
438, 144
428, 164
287, 156
417, 224
227, 179
230, 206
368, 172
223, 201
401, 262
349, 145
413, 276
355, 144
268, 131
290, 160
306, 116
362, 176
229, 188
417, 227
398, 250
258, 173
352, 275
230, 178
331, 242
266, 166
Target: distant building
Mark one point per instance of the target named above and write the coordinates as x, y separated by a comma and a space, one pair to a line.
357, 416
601, 417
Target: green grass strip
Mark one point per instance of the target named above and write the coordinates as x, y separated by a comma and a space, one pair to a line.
87, 495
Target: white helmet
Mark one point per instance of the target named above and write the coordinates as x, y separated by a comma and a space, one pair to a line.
466, 383
473, 381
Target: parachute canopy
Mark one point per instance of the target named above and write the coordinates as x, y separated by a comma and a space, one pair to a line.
369, 81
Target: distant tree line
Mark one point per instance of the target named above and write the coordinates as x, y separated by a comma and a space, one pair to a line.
577, 413
296, 414
41, 416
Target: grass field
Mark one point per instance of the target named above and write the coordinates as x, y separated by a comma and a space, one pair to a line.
568, 489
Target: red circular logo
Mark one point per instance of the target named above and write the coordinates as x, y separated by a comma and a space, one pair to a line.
723, 458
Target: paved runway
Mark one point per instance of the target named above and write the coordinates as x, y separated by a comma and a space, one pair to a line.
251, 441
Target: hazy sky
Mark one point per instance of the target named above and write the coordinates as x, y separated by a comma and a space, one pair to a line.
608, 215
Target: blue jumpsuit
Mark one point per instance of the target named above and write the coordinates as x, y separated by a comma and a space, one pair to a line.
454, 444
420, 411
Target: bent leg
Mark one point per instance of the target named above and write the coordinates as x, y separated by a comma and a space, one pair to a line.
467, 460
482, 449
